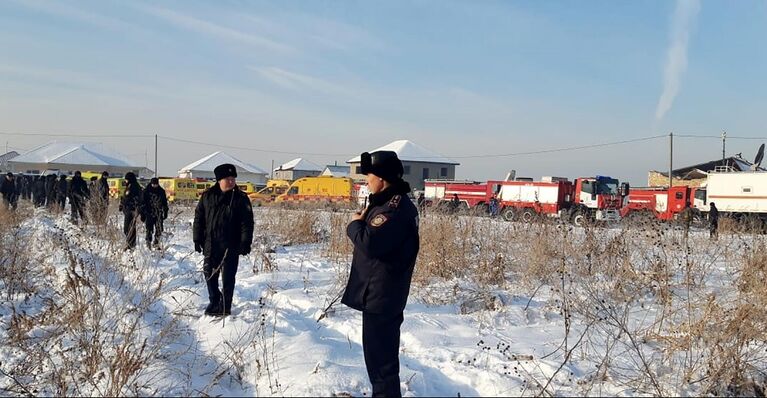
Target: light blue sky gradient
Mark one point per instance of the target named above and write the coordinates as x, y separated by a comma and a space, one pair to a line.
461, 78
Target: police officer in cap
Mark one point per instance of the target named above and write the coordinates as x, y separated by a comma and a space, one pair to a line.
223, 230
386, 243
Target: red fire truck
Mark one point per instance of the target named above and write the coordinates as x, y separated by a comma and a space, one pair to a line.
591, 198
662, 203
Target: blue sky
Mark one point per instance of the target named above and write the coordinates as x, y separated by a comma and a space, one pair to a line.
337, 78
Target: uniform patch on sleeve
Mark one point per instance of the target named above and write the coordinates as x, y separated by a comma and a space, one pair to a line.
394, 202
378, 220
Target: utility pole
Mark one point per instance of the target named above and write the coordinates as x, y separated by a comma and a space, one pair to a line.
724, 140
271, 171
155, 155
670, 159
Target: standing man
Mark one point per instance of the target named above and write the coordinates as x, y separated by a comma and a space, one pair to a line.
130, 205
386, 243
78, 194
10, 191
61, 192
101, 199
222, 231
38, 192
155, 205
50, 191
713, 220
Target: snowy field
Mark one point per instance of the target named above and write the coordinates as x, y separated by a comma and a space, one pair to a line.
570, 312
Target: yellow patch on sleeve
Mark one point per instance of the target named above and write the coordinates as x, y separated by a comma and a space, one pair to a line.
378, 220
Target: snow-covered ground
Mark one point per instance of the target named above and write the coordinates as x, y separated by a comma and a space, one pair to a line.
280, 340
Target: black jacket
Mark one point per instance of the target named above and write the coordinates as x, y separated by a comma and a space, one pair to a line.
103, 188
78, 190
223, 221
9, 189
131, 201
155, 203
62, 186
713, 215
386, 245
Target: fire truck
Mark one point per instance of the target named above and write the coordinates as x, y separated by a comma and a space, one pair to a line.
662, 203
588, 198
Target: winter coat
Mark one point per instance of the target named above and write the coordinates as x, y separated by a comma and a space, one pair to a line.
50, 187
78, 190
223, 221
155, 203
103, 188
61, 188
131, 201
386, 245
9, 189
713, 215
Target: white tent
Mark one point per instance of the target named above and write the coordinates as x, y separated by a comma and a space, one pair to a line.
70, 157
204, 167
408, 151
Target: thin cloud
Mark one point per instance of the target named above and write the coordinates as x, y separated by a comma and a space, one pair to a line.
211, 29
76, 14
300, 82
676, 63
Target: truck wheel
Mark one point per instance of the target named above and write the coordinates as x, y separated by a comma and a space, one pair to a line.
508, 214
528, 215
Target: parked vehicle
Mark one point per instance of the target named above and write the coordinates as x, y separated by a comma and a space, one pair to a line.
179, 189
322, 188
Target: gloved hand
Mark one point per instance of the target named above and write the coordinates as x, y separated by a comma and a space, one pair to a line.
245, 250
164, 215
120, 208
198, 247
142, 217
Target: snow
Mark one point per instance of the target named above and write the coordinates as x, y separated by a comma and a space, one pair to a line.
208, 163
411, 152
274, 344
299, 164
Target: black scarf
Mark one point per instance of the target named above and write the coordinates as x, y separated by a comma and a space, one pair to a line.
399, 187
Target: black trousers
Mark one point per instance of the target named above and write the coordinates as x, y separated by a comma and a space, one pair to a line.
129, 228
154, 230
78, 209
380, 343
216, 263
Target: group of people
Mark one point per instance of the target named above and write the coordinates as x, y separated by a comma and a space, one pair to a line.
149, 205
386, 243
54, 192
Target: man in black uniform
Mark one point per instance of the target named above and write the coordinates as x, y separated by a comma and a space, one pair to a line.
100, 200
130, 205
155, 205
386, 243
713, 219
10, 191
78, 194
62, 189
223, 230
50, 191
38, 193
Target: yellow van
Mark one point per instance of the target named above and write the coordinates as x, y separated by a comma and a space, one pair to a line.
273, 189
117, 187
202, 186
246, 187
322, 189
181, 189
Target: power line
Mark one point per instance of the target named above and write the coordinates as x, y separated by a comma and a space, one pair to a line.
250, 148
80, 135
572, 148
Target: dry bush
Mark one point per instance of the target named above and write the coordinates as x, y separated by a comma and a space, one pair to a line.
290, 227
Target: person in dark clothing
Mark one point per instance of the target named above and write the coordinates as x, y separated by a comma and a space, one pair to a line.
421, 201
155, 205
38, 192
50, 191
62, 190
386, 243
222, 231
713, 221
130, 206
10, 191
24, 187
100, 199
78, 195
455, 203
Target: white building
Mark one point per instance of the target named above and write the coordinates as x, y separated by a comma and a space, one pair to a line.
295, 169
419, 163
204, 167
67, 157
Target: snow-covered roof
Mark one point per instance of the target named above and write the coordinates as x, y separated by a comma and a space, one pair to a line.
85, 155
208, 163
299, 164
409, 151
338, 171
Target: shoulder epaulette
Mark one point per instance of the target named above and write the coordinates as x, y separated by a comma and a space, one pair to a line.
394, 202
